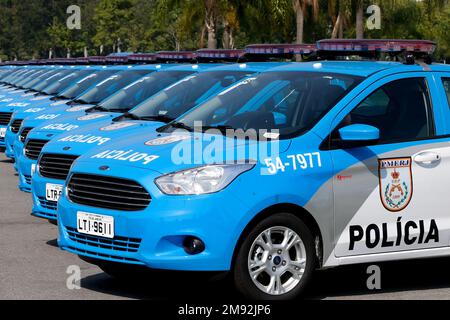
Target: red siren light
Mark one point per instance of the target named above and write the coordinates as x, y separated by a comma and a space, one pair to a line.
219, 54
280, 49
142, 57
379, 45
117, 59
175, 55
97, 59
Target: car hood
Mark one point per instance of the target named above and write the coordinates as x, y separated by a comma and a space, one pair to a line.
167, 153
98, 134
55, 114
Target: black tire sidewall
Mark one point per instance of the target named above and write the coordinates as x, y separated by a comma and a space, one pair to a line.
242, 279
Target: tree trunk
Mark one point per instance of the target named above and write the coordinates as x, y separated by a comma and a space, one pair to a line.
336, 27
212, 40
300, 20
226, 41
86, 54
360, 21
69, 53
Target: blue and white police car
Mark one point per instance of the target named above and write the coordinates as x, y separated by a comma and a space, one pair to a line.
305, 166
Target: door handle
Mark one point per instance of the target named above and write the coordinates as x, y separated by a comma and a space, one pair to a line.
427, 157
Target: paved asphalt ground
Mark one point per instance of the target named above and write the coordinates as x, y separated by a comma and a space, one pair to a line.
32, 267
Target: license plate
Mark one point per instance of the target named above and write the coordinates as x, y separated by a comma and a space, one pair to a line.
53, 192
95, 225
2, 132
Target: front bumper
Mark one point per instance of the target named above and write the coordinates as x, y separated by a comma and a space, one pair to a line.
9, 141
25, 173
3, 139
157, 233
42, 208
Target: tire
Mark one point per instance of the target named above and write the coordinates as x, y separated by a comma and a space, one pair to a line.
276, 265
53, 222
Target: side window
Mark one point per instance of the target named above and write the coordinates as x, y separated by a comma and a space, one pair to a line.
446, 83
401, 110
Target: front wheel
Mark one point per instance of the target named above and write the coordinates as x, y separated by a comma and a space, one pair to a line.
276, 260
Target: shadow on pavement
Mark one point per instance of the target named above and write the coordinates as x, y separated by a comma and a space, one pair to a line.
343, 282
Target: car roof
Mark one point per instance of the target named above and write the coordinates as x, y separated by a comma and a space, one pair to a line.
250, 66
358, 68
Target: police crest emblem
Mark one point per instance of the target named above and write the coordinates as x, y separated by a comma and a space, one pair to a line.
396, 183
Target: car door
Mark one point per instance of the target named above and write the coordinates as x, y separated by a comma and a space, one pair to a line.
392, 195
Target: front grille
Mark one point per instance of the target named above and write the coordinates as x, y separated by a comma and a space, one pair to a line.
5, 118
15, 126
33, 148
56, 166
49, 205
107, 192
27, 179
117, 244
24, 134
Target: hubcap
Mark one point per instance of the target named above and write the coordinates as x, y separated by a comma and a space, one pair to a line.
277, 260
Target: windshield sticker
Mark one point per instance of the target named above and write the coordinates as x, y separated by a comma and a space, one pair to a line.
126, 155
118, 126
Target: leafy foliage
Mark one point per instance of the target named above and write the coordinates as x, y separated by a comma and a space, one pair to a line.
30, 29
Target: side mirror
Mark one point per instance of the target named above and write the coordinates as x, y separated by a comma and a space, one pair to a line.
359, 135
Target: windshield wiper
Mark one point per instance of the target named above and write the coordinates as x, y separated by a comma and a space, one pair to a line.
127, 115
158, 118
180, 125
80, 101
97, 108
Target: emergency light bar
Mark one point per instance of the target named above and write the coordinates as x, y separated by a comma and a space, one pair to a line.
175, 55
82, 61
225, 54
97, 59
280, 49
120, 59
142, 57
387, 46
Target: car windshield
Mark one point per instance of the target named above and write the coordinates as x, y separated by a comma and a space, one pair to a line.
290, 102
111, 85
63, 83
48, 81
130, 96
35, 80
184, 95
19, 76
32, 76
84, 84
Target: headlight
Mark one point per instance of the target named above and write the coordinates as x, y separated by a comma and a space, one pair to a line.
202, 180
